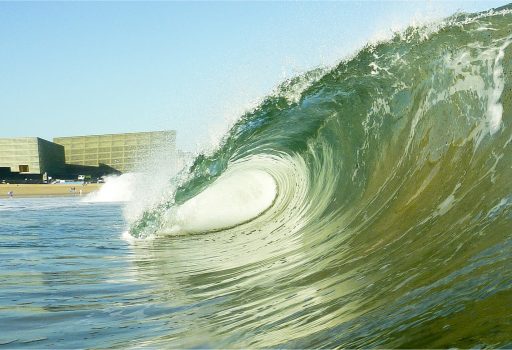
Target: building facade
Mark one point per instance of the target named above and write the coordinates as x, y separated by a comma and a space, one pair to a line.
120, 152
31, 156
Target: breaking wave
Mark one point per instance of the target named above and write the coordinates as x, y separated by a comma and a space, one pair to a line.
116, 189
367, 205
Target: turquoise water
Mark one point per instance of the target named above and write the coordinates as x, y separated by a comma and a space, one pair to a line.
363, 205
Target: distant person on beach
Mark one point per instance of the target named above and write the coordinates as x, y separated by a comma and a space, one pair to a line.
10, 194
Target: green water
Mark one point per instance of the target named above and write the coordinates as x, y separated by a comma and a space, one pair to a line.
365, 205
392, 218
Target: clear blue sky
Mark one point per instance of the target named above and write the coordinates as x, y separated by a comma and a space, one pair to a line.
74, 68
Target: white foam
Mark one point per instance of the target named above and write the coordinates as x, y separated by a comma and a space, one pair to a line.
448, 203
116, 189
236, 197
495, 108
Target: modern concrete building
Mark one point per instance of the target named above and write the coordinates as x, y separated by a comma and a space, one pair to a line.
120, 152
31, 157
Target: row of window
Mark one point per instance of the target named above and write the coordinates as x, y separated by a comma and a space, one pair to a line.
9, 150
108, 150
103, 143
92, 148
20, 156
113, 137
101, 159
103, 156
116, 140
118, 166
19, 153
4, 142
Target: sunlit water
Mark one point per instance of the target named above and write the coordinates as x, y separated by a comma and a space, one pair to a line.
365, 205
67, 279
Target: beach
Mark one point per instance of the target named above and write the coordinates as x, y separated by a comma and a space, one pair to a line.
43, 190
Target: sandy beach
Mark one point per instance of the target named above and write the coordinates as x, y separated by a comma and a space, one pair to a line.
43, 190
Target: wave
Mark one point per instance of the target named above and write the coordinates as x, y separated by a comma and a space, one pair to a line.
116, 189
236, 197
382, 186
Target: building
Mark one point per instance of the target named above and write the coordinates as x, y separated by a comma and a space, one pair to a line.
30, 157
118, 152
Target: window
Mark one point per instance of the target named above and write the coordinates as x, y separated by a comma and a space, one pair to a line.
23, 168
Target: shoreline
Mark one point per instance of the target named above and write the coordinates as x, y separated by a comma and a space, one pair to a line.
46, 190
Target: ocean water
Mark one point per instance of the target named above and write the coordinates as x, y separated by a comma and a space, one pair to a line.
66, 277
363, 205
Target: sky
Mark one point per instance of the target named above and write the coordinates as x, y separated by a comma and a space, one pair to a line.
79, 68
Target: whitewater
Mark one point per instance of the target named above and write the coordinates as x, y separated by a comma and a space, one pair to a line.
365, 205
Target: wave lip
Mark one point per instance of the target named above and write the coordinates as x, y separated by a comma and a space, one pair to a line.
235, 198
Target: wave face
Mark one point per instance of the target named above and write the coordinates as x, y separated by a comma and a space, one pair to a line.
377, 205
